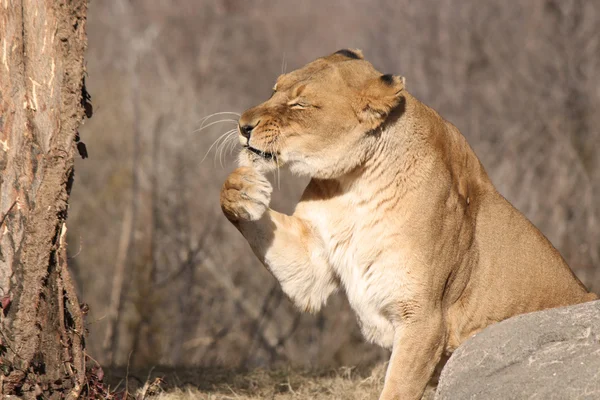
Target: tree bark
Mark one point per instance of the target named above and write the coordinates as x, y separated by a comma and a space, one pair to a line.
42, 93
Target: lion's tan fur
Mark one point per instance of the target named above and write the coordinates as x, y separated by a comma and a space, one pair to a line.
399, 213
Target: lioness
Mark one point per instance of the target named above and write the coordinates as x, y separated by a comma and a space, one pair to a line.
399, 212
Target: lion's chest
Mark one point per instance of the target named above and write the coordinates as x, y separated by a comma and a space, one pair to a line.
357, 252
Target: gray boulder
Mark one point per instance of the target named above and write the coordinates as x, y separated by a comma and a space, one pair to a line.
551, 354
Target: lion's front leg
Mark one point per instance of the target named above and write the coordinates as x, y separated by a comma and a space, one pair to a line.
286, 245
418, 347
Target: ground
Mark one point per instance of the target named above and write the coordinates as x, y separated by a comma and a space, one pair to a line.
281, 384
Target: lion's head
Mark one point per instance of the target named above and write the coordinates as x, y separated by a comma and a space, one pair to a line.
320, 120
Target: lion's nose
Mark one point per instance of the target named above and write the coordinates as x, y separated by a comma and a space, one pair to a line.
246, 130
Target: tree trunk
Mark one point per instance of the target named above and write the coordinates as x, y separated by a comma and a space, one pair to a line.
42, 95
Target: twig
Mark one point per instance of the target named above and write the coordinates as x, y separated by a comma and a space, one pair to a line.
117, 285
232, 391
92, 358
78, 250
258, 324
235, 294
289, 385
6, 343
127, 376
7, 212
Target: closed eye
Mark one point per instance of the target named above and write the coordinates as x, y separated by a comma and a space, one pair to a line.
298, 105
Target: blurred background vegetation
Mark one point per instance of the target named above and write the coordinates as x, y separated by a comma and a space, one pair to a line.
169, 281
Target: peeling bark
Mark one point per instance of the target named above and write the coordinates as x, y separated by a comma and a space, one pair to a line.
42, 43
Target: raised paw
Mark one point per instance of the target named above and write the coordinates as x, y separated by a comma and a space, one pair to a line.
245, 195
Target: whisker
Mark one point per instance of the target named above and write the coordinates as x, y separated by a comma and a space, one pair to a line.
231, 121
271, 149
216, 142
278, 175
232, 145
217, 152
221, 147
205, 119
217, 113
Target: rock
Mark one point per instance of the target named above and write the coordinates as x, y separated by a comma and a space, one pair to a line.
551, 354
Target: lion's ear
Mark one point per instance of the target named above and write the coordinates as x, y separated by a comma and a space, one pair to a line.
378, 98
345, 54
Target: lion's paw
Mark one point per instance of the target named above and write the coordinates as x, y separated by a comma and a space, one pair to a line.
245, 195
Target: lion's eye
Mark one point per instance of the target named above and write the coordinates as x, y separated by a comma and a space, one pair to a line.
298, 104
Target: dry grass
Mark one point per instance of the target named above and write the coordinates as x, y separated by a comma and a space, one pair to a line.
211, 384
